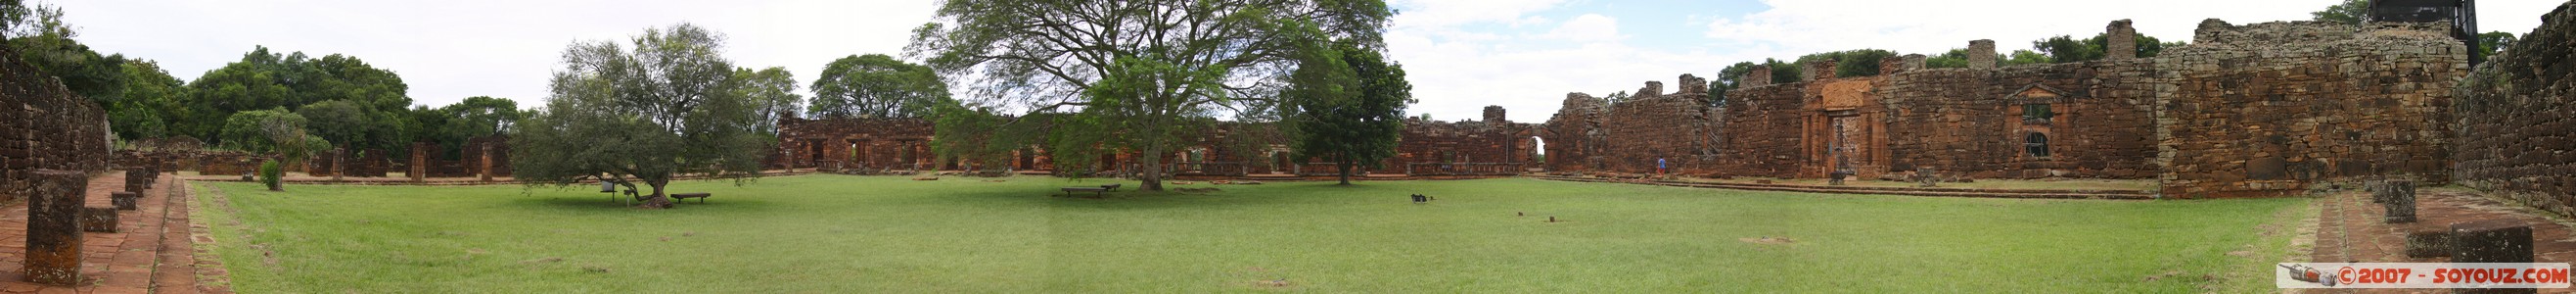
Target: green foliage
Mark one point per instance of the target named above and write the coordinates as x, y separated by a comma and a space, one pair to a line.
265, 80
271, 174
2490, 43
45, 42
1345, 105
151, 104
2349, 12
772, 92
337, 120
2064, 48
2021, 57
1849, 63
269, 131
1168, 68
667, 107
876, 85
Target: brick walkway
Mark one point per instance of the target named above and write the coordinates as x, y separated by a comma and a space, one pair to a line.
151, 252
2350, 228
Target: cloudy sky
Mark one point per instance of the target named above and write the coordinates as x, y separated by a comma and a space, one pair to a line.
1462, 54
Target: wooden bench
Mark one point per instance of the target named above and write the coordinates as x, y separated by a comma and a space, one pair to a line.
702, 197
1111, 187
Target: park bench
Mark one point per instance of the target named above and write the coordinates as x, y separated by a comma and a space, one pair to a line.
702, 197
1095, 191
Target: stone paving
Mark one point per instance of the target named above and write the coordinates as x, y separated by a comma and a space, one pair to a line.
2350, 228
151, 252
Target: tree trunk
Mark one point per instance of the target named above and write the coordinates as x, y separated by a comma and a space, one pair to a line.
658, 199
1152, 170
1345, 167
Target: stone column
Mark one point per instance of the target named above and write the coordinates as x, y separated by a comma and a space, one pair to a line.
419, 162
339, 163
1759, 76
1981, 54
1891, 65
98, 219
136, 180
125, 200
1914, 61
2399, 197
2122, 42
485, 165
53, 227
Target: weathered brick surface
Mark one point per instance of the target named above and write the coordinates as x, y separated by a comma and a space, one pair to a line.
44, 126
856, 143
2515, 116
1494, 146
2264, 109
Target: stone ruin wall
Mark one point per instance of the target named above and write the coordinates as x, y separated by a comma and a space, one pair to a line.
2264, 109
1573, 134
44, 126
2246, 111
2517, 119
1761, 134
855, 143
1967, 122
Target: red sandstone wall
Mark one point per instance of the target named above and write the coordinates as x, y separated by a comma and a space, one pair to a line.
1970, 122
1762, 132
2265, 109
2517, 119
44, 126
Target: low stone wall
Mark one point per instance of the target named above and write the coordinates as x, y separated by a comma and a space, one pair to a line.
2516, 113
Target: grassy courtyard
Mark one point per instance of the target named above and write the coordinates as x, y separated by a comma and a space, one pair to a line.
846, 234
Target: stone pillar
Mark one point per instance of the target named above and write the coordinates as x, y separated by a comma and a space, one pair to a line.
2121, 42
1981, 54
1494, 116
1818, 70
484, 166
419, 162
339, 163
1914, 61
2399, 197
1759, 76
136, 180
2499, 240
53, 227
98, 219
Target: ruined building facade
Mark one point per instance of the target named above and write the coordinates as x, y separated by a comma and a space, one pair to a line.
2244, 111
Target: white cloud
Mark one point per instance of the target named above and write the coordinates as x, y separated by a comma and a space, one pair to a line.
1587, 28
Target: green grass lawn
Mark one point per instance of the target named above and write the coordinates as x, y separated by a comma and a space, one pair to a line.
847, 234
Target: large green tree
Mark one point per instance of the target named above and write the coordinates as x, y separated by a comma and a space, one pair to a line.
2064, 48
152, 101
1849, 63
40, 38
1346, 106
662, 105
2490, 43
2349, 12
773, 93
876, 85
1136, 75
265, 80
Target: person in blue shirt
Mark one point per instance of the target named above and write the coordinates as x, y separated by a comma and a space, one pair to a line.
1659, 166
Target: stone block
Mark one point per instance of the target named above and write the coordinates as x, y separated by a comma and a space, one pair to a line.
125, 200
2428, 244
53, 227
2503, 241
99, 219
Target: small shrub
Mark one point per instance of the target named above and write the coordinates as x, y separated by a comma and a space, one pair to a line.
270, 174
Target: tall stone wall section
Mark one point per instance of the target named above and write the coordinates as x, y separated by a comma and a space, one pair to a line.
1678, 128
1972, 122
2516, 113
1761, 132
44, 126
2264, 109
1574, 135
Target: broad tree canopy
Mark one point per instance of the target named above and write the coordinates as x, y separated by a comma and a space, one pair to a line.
666, 107
1133, 74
